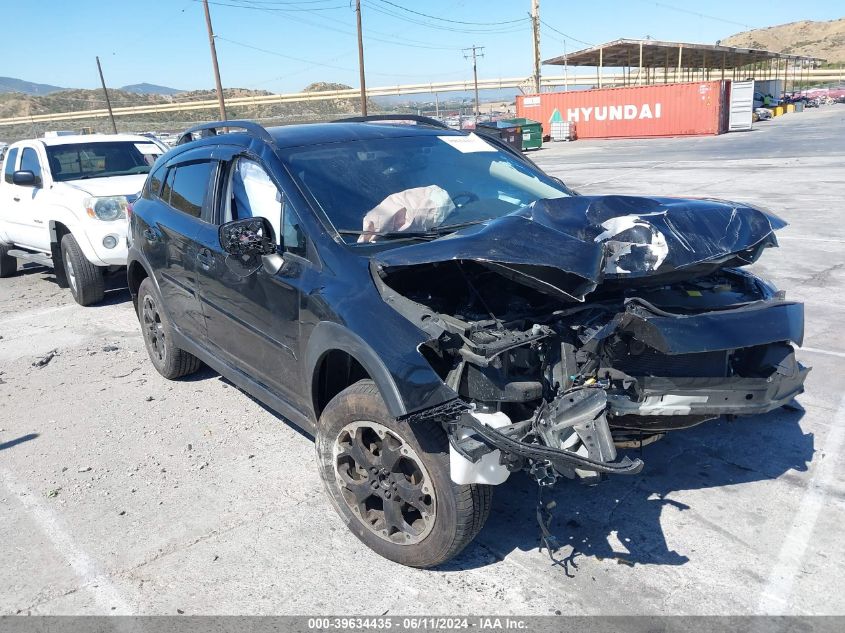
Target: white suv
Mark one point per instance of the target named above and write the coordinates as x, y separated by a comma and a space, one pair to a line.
63, 202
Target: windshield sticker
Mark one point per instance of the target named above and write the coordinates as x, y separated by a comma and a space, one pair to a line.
148, 148
468, 144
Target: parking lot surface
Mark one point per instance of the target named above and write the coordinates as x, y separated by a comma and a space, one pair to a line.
121, 492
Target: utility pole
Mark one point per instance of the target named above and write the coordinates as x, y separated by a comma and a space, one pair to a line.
361, 59
217, 82
106, 92
535, 23
476, 52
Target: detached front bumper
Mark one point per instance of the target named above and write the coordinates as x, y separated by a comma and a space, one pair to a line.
727, 362
710, 396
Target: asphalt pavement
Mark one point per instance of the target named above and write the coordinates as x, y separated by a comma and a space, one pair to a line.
121, 492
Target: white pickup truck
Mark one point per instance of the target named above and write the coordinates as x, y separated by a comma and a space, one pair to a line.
63, 202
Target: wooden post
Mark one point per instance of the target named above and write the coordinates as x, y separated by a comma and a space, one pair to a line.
361, 77
221, 103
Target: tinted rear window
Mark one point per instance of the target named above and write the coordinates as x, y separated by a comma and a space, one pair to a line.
189, 186
156, 178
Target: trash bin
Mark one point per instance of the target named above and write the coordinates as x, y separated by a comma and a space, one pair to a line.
507, 132
532, 132
520, 133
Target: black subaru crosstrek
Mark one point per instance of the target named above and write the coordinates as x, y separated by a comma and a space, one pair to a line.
439, 313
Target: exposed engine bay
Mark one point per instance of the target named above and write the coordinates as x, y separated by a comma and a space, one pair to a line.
558, 360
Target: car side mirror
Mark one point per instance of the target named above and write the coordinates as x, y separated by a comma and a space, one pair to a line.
247, 237
25, 178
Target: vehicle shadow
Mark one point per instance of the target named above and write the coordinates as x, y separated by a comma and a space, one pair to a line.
117, 288
626, 510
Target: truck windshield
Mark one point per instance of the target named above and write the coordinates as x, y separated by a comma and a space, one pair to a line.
415, 186
79, 161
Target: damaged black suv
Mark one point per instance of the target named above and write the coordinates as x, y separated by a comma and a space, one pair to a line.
440, 313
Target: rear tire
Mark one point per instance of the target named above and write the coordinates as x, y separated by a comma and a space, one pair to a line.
8, 264
403, 476
84, 279
170, 361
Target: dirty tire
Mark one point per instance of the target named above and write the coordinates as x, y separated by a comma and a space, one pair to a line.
460, 510
8, 264
85, 280
170, 361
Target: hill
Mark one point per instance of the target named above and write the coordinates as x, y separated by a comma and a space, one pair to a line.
17, 104
150, 89
816, 39
10, 84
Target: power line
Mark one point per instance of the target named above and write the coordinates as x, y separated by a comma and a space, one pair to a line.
314, 64
275, 9
569, 37
442, 27
696, 13
371, 36
434, 17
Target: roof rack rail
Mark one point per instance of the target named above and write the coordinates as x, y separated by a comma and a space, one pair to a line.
419, 120
210, 129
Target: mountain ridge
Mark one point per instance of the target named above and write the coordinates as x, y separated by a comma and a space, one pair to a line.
813, 38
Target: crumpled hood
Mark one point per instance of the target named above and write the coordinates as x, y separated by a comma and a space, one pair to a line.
110, 185
568, 246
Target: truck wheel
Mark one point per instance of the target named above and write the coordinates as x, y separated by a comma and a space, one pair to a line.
8, 264
390, 482
84, 278
170, 361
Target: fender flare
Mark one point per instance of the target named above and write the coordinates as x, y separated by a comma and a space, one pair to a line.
328, 336
65, 216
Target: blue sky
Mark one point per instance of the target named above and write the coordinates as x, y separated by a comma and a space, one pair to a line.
165, 42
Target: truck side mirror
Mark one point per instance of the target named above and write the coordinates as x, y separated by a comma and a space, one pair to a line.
25, 178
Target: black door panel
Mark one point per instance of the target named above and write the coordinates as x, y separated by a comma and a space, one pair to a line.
252, 317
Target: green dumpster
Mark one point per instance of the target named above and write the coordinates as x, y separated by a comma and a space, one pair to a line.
532, 132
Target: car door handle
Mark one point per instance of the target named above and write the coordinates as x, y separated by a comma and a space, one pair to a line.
150, 235
205, 258
16, 199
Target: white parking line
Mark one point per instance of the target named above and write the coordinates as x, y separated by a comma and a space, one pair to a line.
105, 593
32, 315
810, 239
826, 352
774, 599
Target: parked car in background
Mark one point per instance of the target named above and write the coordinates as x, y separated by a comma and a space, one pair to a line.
439, 313
63, 201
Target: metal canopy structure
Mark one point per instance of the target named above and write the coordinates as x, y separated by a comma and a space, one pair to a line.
664, 62
657, 54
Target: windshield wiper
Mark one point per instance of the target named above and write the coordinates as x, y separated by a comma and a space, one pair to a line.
435, 231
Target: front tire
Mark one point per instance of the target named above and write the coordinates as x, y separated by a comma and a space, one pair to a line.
8, 264
390, 482
84, 279
170, 361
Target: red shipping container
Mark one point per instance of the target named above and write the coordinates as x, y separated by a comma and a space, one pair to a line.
633, 111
